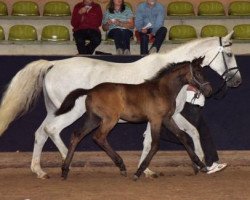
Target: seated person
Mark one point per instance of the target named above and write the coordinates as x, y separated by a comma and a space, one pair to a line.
86, 20
149, 20
118, 21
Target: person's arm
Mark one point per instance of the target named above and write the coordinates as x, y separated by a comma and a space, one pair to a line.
129, 23
78, 15
97, 17
75, 19
106, 22
159, 20
139, 18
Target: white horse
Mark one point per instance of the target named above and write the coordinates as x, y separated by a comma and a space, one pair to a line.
55, 78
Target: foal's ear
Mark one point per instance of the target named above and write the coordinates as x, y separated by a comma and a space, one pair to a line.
198, 61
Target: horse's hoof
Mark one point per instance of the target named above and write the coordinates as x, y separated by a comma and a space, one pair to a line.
153, 176
161, 174
195, 168
204, 169
135, 178
64, 178
124, 173
45, 176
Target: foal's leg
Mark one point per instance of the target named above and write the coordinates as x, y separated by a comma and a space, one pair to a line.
146, 148
100, 137
186, 126
155, 134
171, 125
90, 123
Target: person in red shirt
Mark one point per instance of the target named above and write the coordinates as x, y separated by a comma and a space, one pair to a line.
86, 20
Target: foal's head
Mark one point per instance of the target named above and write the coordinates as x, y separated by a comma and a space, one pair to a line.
196, 78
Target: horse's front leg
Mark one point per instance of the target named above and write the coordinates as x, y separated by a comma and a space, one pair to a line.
171, 125
155, 134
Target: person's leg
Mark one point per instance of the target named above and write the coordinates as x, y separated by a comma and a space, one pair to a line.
159, 38
80, 37
95, 38
193, 114
127, 34
144, 39
116, 35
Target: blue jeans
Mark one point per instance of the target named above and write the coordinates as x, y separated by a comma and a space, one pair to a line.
121, 37
159, 38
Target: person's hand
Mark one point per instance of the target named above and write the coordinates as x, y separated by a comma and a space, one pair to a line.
118, 23
84, 9
111, 21
144, 30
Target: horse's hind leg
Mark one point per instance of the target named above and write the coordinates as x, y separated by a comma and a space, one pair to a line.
146, 148
40, 139
54, 127
100, 137
171, 125
90, 123
155, 134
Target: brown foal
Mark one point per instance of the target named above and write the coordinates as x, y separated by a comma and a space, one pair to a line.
153, 101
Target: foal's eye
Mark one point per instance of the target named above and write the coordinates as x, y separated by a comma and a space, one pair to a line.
198, 75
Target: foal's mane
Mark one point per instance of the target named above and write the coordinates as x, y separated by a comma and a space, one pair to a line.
172, 67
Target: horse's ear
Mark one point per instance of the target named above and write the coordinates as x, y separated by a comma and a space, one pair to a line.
198, 61
228, 36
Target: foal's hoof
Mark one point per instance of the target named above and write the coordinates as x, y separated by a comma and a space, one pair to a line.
135, 178
123, 173
195, 168
64, 174
204, 169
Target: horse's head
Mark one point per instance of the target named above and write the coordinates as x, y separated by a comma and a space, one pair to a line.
197, 79
223, 61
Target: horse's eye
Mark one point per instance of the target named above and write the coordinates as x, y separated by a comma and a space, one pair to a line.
198, 75
229, 54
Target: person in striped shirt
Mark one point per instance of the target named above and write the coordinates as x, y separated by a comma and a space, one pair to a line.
118, 21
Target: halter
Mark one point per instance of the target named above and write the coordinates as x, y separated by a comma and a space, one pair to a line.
194, 79
227, 70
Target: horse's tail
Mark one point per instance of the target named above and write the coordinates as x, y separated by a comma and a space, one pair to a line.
22, 92
69, 101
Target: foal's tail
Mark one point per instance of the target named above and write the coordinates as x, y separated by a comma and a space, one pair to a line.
69, 101
22, 92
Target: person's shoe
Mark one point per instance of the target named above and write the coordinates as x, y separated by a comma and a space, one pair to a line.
152, 50
126, 52
119, 51
216, 167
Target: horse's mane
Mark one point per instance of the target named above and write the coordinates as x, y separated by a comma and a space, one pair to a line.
168, 69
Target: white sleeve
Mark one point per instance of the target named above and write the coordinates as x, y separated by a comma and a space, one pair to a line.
193, 99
